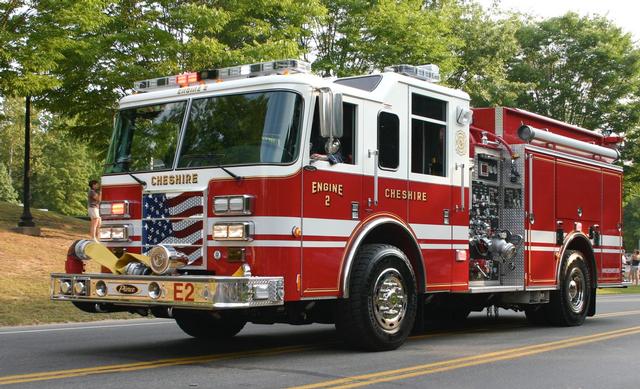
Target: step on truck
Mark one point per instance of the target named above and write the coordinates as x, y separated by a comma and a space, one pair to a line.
263, 193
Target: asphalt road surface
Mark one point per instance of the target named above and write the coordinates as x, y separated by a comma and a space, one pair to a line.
485, 352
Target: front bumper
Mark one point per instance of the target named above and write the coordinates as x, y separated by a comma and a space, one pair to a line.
195, 292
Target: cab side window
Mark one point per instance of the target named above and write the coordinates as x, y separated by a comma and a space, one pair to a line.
388, 140
347, 152
428, 135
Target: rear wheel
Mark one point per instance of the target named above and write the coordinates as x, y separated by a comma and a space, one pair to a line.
209, 325
569, 305
381, 309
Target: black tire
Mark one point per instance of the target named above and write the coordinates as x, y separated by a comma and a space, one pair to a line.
209, 325
569, 305
381, 309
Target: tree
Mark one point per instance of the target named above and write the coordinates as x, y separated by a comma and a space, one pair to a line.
359, 36
62, 168
488, 44
135, 40
7, 192
582, 70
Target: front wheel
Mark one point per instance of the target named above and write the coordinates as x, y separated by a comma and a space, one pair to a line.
569, 305
209, 325
381, 309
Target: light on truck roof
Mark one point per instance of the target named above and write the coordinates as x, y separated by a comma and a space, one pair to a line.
287, 66
428, 72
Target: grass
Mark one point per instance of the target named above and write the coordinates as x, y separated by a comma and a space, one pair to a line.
628, 290
27, 262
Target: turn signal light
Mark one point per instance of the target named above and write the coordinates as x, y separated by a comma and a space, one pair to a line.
114, 209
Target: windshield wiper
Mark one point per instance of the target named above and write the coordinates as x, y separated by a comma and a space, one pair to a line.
139, 181
213, 157
229, 172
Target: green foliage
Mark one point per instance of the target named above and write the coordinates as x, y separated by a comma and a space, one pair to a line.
358, 36
134, 40
631, 221
488, 45
582, 70
7, 192
12, 135
62, 168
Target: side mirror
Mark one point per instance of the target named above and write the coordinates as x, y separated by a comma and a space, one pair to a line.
325, 105
330, 105
337, 115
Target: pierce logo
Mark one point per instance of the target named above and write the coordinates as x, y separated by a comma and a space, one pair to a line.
127, 289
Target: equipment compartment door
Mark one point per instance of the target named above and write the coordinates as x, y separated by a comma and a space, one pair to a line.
540, 181
611, 235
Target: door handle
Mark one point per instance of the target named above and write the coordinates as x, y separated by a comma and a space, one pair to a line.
462, 203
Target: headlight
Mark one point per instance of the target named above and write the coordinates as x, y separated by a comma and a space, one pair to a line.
220, 231
233, 205
233, 231
105, 233
220, 205
236, 231
114, 233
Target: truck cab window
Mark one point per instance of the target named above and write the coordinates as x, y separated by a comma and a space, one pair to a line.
347, 152
428, 135
388, 140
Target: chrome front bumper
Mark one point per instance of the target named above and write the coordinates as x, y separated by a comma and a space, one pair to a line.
196, 292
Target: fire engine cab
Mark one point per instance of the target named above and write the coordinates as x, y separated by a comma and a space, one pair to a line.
263, 193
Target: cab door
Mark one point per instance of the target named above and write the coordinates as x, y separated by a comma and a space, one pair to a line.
432, 170
332, 190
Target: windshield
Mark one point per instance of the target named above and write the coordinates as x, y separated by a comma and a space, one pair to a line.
251, 128
241, 129
145, 138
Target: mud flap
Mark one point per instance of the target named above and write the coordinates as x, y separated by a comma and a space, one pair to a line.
592, 305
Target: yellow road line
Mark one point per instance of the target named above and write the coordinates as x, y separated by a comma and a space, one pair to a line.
117, 368
457, 363
51, 375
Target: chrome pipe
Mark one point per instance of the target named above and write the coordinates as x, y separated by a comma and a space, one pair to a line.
528, 133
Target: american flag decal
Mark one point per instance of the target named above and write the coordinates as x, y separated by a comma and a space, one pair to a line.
174, 219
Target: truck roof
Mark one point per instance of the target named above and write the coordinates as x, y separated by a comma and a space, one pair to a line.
388, 83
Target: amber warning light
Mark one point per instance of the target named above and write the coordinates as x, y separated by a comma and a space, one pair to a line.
114, 209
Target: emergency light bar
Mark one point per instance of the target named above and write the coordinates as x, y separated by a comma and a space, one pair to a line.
428, 72
287, 66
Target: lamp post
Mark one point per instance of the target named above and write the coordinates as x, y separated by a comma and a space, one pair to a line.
26, 224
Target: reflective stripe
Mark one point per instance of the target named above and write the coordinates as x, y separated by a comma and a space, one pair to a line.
432, 231
435, 246
542, 248
611, 240
537, 236
279, 243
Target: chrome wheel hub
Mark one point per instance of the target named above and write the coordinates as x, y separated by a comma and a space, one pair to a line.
576, 290
389, 300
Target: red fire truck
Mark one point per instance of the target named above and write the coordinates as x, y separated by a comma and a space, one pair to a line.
262, 193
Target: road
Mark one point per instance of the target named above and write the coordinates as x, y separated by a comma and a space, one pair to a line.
485, 352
